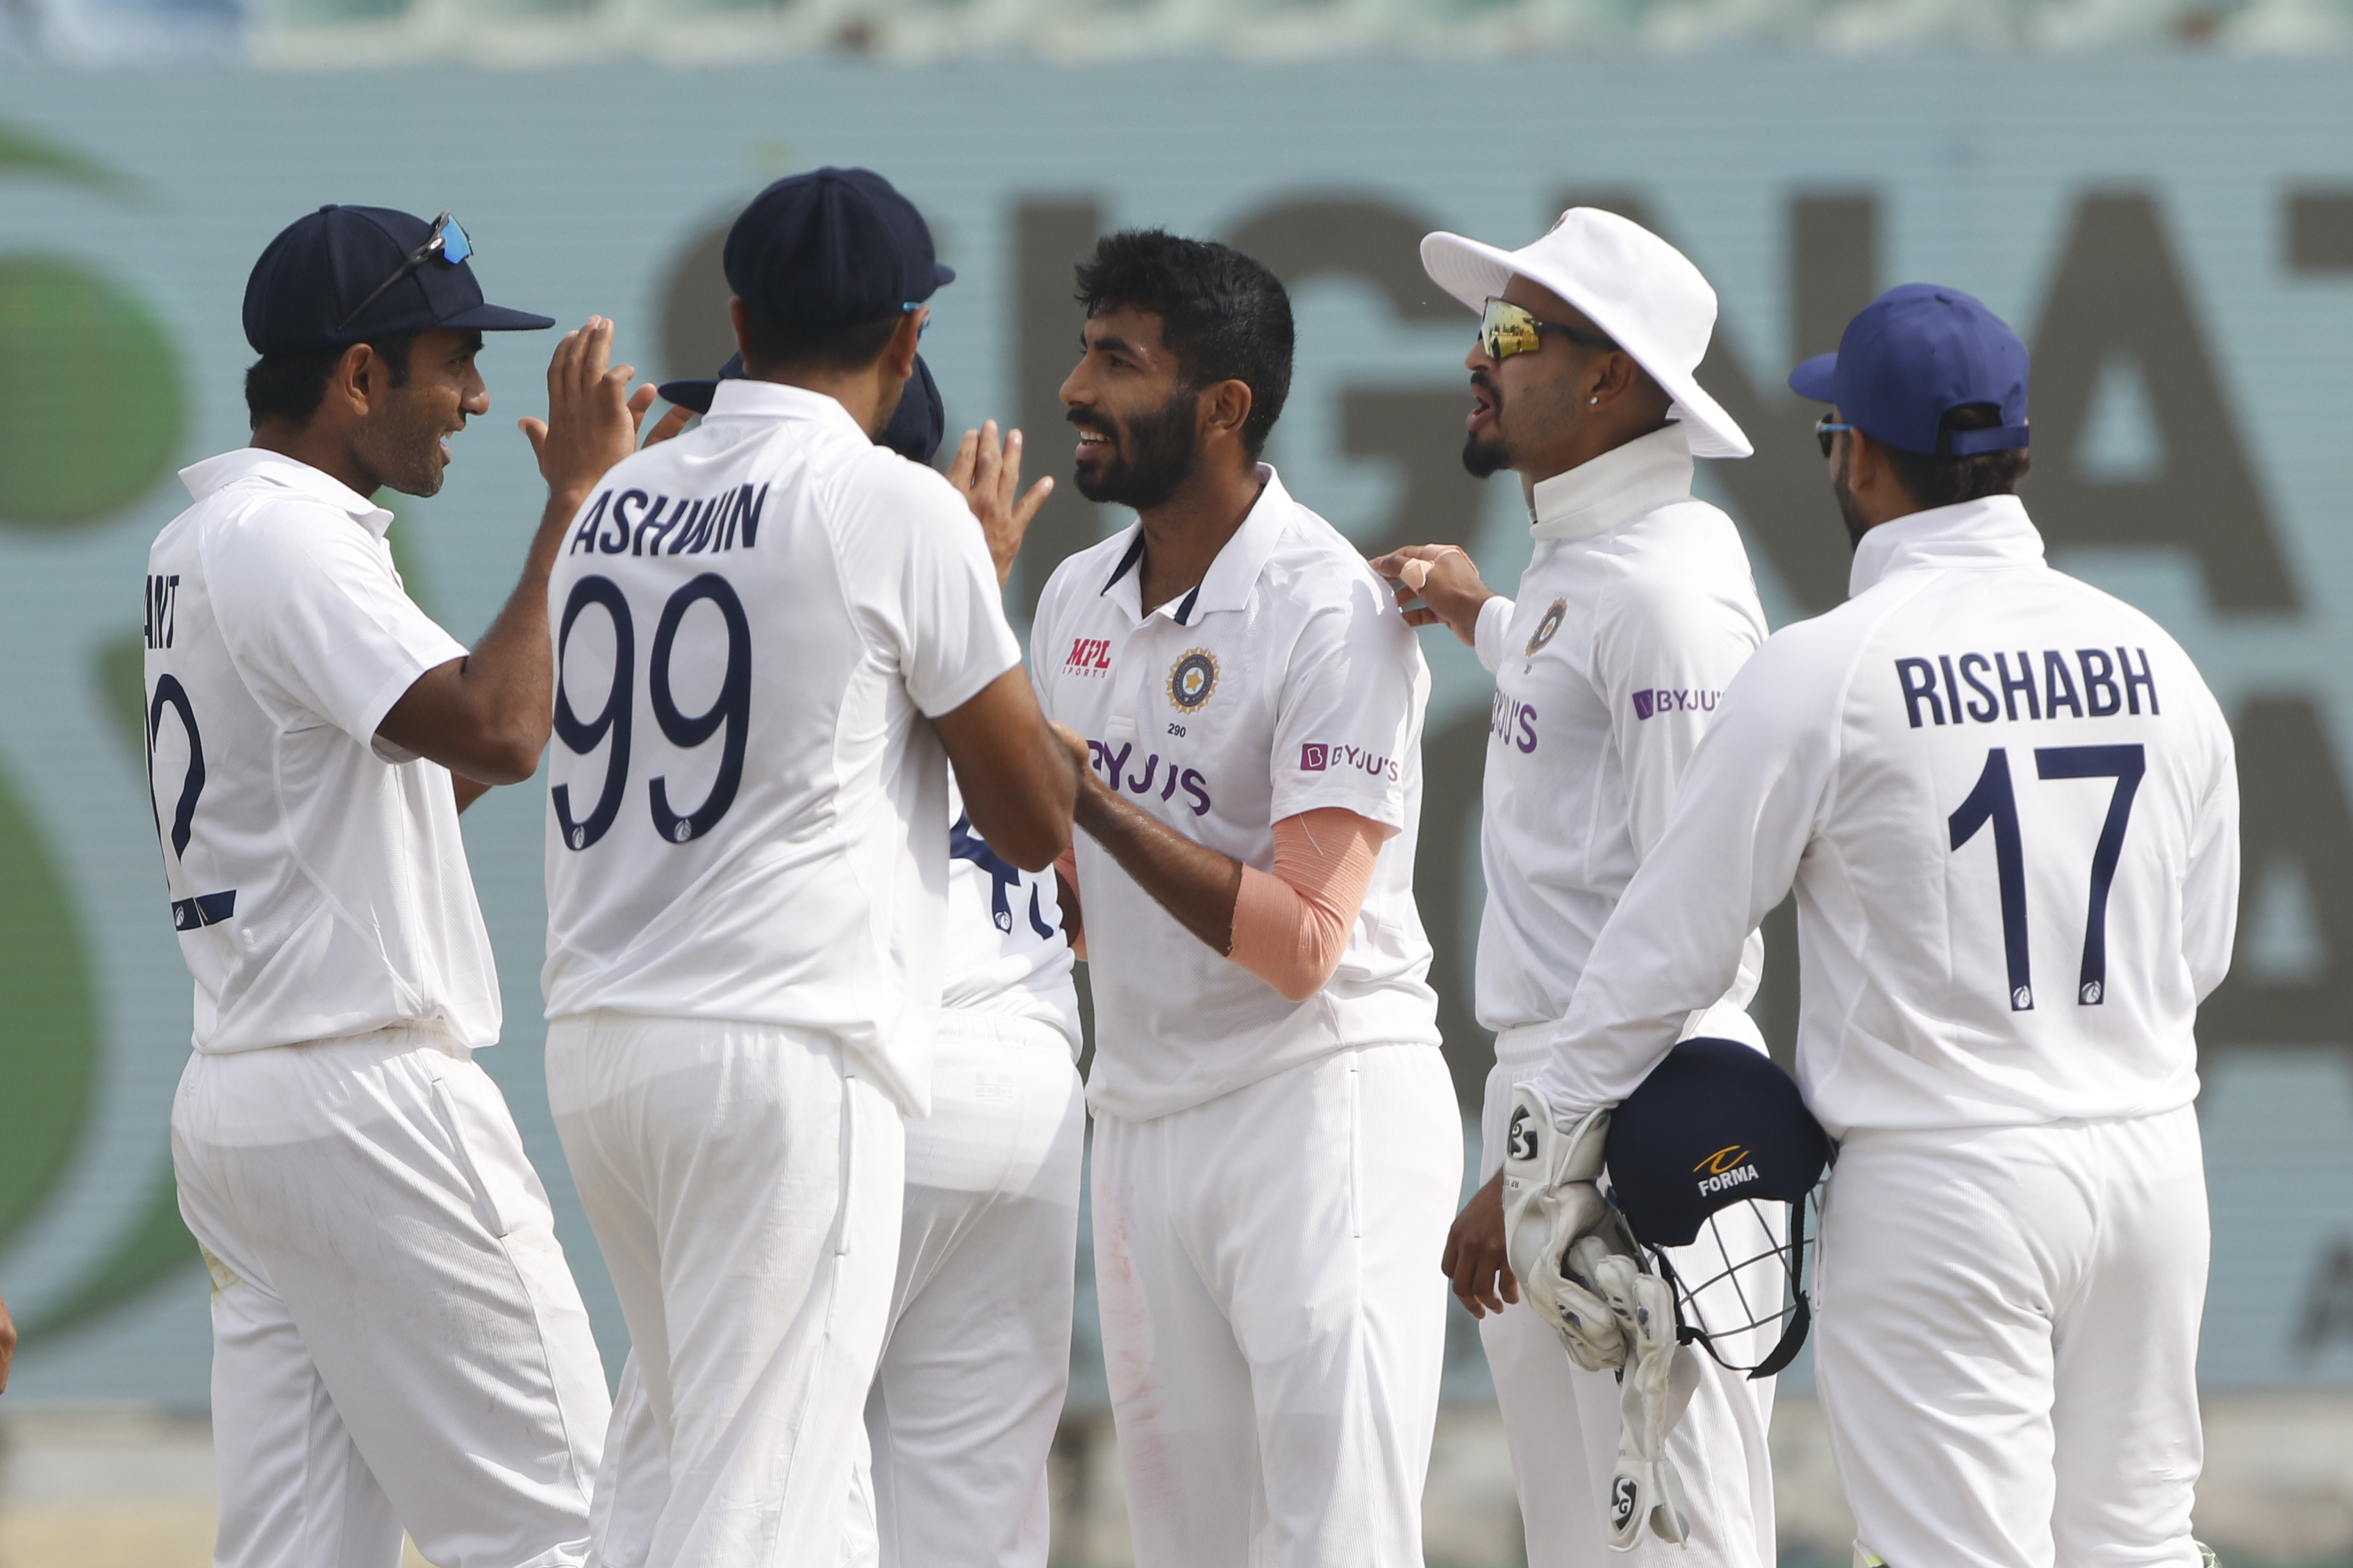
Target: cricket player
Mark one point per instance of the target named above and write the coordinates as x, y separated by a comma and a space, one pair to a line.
1634, 613
2008, 805
747, 862
1277, 1146
398, 1342
978, 1357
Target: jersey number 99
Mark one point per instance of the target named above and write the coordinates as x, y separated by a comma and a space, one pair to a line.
730, 711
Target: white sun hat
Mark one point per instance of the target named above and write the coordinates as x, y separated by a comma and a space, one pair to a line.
1641, 290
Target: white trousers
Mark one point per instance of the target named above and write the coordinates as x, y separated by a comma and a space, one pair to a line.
2007, 1343
1562, 1423
969, 1391
398, 1342
745, 1188
1273, 1315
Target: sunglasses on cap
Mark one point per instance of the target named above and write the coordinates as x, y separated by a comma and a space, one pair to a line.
1505, 330
1826, 430
448, 241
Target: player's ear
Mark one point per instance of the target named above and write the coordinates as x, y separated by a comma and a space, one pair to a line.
357, 380
900, 357
1226, 408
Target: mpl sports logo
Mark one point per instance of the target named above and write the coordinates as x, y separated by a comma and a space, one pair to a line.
1667, 700
1728, 1167
1088, 656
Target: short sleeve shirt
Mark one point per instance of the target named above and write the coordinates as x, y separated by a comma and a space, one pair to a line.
747, 819
1285, 682
317, 877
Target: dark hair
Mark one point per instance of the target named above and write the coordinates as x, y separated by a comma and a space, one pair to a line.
1223, 315
291, 387
1935, 481
771, 344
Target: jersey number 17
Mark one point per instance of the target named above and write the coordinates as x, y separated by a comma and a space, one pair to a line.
1992, 801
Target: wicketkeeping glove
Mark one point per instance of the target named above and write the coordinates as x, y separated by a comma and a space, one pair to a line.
1644, 1488
1550, 1201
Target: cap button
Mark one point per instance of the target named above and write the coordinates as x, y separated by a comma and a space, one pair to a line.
329, 207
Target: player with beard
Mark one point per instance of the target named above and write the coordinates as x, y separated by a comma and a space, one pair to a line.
1635, 609
1276, 1139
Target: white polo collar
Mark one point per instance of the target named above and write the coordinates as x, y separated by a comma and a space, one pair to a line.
741, 397
1614, 488
1993, 532
1227, 585
215, 474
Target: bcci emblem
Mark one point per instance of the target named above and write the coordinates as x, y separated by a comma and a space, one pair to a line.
1191, 679
1549, 625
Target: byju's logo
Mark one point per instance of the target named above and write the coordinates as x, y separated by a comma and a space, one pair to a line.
1667, 700
1313, 757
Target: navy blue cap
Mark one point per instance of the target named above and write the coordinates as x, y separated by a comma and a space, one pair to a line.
324, 264
1716, 1123
914, 431
1911, 356
836, 247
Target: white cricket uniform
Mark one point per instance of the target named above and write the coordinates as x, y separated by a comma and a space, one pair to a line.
1272, 1180
398, 1342
969, 1391
746, 872
2008, 805
951, 1462
1635, 610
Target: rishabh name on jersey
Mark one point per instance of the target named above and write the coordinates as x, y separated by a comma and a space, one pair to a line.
317, 876
744, 820
1005, 951
1286, 681
1635, 610
2009, 806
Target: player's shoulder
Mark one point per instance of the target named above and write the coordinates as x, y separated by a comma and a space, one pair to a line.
1311, 568
878, 488
1683, 564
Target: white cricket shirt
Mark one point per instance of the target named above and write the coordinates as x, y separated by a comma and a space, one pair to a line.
1286, 681
745, 819
2009, 806
316, 874
1635, 612
1005, 951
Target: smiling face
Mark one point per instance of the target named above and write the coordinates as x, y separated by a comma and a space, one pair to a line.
1524, 409
1137, 419
402, 439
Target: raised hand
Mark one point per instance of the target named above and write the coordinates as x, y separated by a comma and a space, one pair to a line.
988, 473
592, 417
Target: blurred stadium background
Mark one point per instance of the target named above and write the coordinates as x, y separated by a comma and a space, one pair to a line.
2158, 193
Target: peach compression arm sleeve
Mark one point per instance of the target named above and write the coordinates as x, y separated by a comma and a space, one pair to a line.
1291, 928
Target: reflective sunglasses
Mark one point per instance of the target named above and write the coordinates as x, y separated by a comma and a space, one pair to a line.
1505, 330
448, 241
909, 308
1826, 430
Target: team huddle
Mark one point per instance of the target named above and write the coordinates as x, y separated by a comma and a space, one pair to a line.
824, 846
